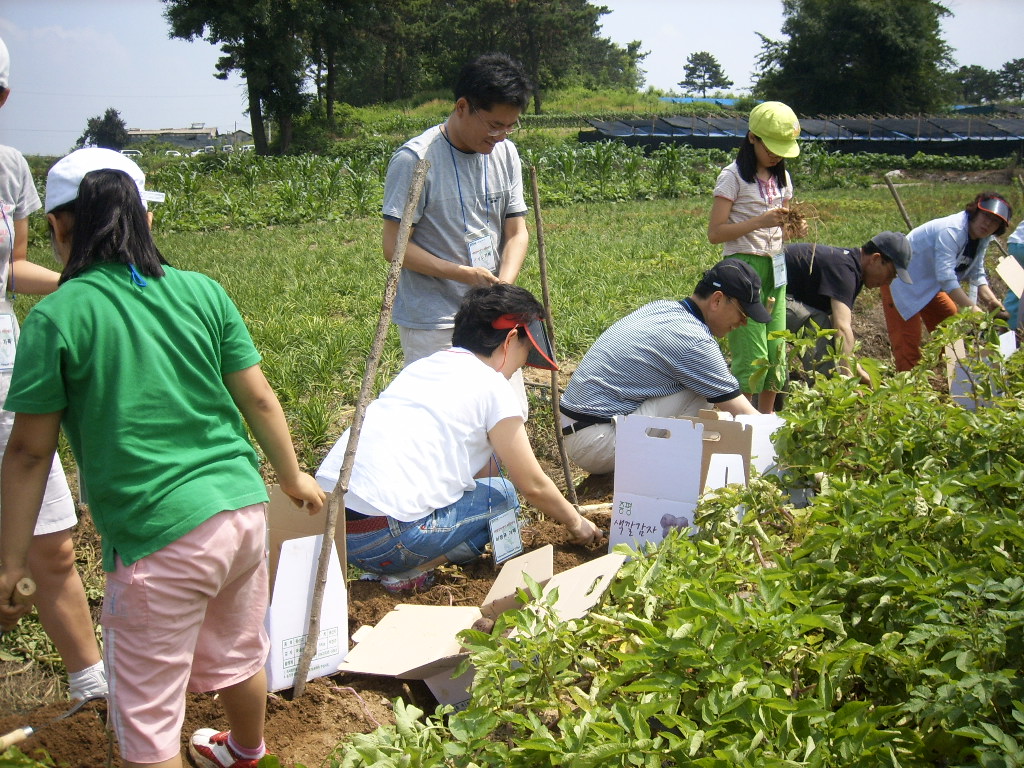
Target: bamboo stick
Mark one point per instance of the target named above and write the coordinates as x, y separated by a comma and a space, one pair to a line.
542, 258
335, 501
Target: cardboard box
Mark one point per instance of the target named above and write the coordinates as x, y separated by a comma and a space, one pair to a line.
418, 642
961, 385
294, 544
662, 466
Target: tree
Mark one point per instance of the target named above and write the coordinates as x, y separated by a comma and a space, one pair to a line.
1011, 79
702, 72
857, 56
107, 131
259, 40
976, 84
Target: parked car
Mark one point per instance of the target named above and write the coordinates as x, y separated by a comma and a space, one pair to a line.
172, 153
131, 153
207, 150
247, 148
227, 148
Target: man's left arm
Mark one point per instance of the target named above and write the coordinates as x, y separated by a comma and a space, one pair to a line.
517, 237
842, 319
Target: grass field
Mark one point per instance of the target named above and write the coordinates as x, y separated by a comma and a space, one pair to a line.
311, 293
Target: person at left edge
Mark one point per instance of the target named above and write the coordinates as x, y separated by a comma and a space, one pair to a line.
469, 227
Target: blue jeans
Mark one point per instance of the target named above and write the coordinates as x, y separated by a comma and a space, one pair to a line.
458, 531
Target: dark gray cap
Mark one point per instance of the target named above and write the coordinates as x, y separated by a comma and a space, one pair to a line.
896, 248
736, 278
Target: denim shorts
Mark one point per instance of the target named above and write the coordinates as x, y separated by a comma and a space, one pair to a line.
459, 532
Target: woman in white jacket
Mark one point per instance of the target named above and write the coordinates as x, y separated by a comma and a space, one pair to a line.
946, 253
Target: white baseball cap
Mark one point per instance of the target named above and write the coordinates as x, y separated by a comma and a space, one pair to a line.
66, 174
5, 65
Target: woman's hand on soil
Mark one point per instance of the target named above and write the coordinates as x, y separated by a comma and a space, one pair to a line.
584, 532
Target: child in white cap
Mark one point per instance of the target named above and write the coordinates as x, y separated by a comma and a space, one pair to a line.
146, 368
60, 596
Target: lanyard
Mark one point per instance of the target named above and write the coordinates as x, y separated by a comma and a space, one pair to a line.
458, 185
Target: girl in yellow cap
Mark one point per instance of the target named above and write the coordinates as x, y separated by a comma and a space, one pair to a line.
751, 197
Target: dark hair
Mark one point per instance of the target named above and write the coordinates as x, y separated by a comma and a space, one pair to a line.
110, 226
493, 78
482, 306
972, 208
746, 161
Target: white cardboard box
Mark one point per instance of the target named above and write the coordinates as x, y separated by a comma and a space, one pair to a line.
663, 465
294, 544
418, 642
961, 387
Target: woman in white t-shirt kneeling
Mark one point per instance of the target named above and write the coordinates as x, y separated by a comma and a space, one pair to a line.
436, 446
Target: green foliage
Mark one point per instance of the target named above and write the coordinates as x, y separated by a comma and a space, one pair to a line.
888, 59
108, 131
15, 758
1011, 79
883, 624
702, 72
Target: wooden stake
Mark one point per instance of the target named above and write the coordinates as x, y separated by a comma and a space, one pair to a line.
542, 258
896, 197
335, 502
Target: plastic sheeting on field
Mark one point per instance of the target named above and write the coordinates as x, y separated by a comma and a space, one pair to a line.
981, 135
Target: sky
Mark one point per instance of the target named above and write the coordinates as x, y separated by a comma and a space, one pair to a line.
72, 59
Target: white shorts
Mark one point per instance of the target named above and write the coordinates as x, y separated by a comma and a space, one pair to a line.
58, 510
423, 342
593, 448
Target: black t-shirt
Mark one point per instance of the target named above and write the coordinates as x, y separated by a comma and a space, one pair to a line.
819, 273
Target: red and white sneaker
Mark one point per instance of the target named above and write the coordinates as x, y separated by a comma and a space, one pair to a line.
209, 748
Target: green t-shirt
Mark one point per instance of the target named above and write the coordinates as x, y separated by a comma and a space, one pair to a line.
138, 371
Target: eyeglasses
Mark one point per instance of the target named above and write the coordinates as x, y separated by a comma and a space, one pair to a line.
743, 312
495, 132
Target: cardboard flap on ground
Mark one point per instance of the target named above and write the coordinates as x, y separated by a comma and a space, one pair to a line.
420, 641
294, 543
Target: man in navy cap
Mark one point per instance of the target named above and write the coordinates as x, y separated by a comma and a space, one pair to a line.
662, 360
824, 281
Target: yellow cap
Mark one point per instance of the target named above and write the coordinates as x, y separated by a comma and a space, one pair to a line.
776, 125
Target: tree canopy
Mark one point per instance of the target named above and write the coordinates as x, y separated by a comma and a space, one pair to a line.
702, 72
108, 131
1011, 79
857, 56
371, 51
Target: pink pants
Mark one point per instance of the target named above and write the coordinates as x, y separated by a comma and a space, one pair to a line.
187, 617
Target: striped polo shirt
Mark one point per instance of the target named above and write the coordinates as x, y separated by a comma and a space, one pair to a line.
658, 350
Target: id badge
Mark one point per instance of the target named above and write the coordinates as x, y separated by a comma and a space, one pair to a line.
779, 269
481, 251
506, 538
7, 341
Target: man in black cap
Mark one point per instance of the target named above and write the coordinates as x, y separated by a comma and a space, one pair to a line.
661, 360
824, 281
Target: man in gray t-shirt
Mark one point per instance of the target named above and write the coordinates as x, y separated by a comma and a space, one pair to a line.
469, 228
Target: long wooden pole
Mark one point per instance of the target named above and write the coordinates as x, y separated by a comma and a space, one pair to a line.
542, 258
335, 501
